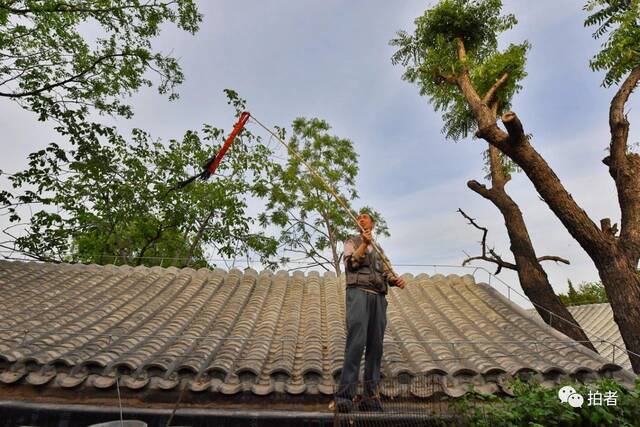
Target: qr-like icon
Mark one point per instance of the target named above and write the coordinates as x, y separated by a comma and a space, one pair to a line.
568, 394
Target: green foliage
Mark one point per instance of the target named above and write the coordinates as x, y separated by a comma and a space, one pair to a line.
535, 405
107, 201
509, 167
587, 293
311, 219
63, 60
620, 53
431, 61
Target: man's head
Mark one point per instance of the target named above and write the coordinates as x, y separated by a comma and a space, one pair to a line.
365, 221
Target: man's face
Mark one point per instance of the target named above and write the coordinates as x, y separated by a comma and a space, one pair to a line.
365, 221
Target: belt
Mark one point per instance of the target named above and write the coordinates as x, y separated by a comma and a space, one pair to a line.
370, 291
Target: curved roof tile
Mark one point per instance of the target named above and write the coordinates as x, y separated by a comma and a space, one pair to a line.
227, 332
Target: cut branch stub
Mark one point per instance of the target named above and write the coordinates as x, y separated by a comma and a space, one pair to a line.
514, 126
607, 228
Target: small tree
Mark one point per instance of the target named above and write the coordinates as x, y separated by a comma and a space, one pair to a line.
587, 293
452, 56
312, 222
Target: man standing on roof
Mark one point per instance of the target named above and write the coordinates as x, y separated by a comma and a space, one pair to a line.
367, 279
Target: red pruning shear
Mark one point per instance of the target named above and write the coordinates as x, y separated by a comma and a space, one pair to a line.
211, 165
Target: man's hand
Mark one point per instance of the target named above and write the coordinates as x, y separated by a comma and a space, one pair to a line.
366, 236
399, 282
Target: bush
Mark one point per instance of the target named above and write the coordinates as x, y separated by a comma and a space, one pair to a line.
535, 405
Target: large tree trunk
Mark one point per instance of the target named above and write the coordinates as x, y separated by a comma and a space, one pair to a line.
615, 257
622, 285
533, 278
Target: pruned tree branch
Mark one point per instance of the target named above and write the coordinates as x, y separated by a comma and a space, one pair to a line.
514, 127
481, 189
607, 228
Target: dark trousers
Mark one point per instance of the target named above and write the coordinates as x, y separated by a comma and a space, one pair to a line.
366, 314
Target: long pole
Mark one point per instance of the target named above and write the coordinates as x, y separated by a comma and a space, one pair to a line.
332, 191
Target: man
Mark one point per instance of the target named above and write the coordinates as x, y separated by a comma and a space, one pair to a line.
367, 279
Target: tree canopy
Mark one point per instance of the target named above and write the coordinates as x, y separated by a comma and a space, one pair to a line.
63, 60
431, 61
619, 22
112, 204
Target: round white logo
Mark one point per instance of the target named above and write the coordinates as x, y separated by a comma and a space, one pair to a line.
576, 400
565, 392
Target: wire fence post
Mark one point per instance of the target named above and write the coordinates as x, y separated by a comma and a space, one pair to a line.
613, 354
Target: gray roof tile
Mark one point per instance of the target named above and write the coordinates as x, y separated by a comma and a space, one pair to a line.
597, 321
224, 332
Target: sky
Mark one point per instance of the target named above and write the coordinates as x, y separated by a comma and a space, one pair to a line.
331, 59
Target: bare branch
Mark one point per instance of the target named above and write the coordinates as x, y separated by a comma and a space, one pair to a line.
554, 258
493, 257
66, 8
481, 189
488, 97
618, 123
462, 52
472, 221
65, 81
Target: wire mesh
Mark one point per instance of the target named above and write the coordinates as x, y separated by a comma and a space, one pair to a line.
398, 401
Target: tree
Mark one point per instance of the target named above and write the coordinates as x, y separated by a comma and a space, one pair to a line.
498, 76
312, 222
111, 203
63, 60
587, 293
452, 55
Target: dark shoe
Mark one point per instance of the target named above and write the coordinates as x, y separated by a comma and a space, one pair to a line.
370, 405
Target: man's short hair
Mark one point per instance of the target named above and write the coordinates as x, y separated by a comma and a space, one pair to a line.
367, 214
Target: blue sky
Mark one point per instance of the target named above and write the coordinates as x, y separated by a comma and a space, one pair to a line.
331, 59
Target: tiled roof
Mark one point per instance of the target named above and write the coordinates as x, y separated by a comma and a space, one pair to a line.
597, 321
66, 326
